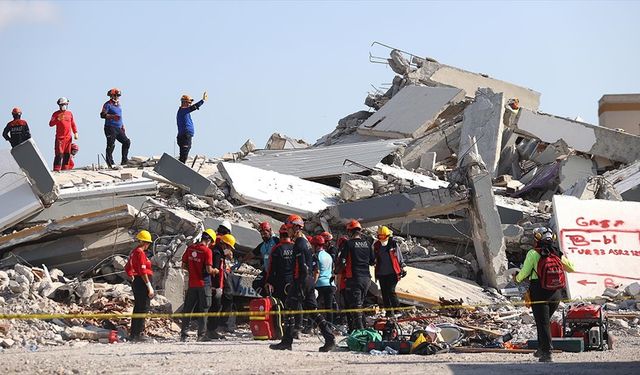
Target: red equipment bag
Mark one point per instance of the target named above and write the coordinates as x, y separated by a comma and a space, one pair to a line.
551, 272
268, 324
584, 312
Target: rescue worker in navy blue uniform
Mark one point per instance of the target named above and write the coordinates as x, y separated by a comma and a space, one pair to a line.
186, 129
114, 128
16, 131
302, 289
280, 271
356, 256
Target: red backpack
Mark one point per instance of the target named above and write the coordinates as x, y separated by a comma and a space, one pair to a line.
550, 270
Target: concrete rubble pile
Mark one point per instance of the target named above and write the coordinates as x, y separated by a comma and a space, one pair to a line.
443, 158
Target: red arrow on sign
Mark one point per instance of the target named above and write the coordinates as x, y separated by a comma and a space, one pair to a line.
585, 282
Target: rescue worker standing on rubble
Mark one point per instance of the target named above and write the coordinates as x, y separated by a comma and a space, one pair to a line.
389, 268
114, 128
280, 271
324, 277
198, 261
222, 298
186, 130
356, 256
544, 302
65, 125
17, 130
138, 268
302, 288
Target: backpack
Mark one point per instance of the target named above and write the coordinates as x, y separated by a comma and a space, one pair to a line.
359, 338
550, 270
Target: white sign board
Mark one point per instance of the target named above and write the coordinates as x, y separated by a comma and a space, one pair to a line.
602, 239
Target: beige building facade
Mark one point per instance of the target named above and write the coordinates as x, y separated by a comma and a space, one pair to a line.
620, 111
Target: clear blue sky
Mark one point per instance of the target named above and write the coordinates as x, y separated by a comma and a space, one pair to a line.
290, 67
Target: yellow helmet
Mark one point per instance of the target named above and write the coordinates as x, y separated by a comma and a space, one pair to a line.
211, 233
186, 98
384, 232
229, 239
144, 236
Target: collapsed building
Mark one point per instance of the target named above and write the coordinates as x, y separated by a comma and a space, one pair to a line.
460, 176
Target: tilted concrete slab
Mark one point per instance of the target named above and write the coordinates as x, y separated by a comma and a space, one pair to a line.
418, 203
483, 124
192, 181
602, 239
410, 112
416, 178
573, 169
139, 186
626, 181
62, 209
277, 192
247, 238
32, 163
583, 137
453, 230
19, 201
120, 216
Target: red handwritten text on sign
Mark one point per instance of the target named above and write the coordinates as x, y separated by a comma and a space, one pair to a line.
601, 242
598, 223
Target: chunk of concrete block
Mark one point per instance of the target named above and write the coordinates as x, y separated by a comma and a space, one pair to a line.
552, 152
410, 112
173, 287
248, 147
19, 201
32, 163
180, 174
483, 123
356, 189
573, 169
278, 141
428, 161
633, 289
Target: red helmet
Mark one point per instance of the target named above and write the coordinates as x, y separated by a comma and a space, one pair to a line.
317, 240
327, 236
295, 220
114, 92
341, 241
283, 229
264, 226
74, 148
354, 224
16, 111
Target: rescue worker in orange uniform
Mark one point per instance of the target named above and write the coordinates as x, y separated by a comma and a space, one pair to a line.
389, 268
138, 268
65, 125
17, 130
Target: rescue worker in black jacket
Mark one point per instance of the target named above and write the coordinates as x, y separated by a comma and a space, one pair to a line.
280, 271
16, 131
389, 268
302, 289
356, 255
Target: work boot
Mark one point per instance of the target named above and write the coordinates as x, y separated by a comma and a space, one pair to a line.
328, 346
124, 162
537, 353
329, 338
545, 357
282, 345
214, 335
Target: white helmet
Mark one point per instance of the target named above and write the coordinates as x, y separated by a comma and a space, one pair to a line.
63, 101
226, 224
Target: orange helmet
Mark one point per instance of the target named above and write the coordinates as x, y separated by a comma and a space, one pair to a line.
317, 240
186, 98
295, 220
114, 92
327, 236
16, 111
354, 224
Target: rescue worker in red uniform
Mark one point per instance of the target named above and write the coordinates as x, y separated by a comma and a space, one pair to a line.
138, 268
198, 261
280, 271
222, 294
355, 258
389, 268
65, 125
17, 130
302, 288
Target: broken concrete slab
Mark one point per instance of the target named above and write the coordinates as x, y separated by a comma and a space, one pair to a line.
278, 141
19, 201
583, 137
483, 123
410, 112
173, 287
552, 152
418, 203
573, 169
428, 161
277, 192
32, 163
416, 178
120, 216
139, 186
355, 187
247, 238
626, 181
171, 221
451, 230
602, 239
192, 181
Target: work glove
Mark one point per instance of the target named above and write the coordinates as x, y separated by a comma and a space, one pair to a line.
403, 273
75, 136
205, 96
60, 117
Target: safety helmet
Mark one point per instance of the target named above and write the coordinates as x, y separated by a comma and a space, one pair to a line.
295, 220
74, 148
210, 233
283, 229
384, 232
63, 101
144, 236
317, 240
16, 111
186, 98
341, 241
114, 92
226, 224
354, 224
229, 239
514, 103
264, 226
544, 234
327, 236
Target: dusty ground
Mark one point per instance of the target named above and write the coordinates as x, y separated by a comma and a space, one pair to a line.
241, 355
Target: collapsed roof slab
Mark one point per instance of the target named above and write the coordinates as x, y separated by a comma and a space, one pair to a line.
16, 194
418, 203
329, 161
410, 112
583, 137
277, 192
139, 186
120, 216
32, 163
180, 174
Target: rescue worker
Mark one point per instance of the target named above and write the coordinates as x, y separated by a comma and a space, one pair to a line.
65, 125
280, 271
544, 302
138, 268
355, 258
330, 248
389, 268
17, 130
185, 124
324, 277
222, 298
223, 228
114, 129
341, 282
197, 261
263, 250
302, 288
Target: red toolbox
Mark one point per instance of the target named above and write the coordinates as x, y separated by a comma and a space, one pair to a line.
267, 325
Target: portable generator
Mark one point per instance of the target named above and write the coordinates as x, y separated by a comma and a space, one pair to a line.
589, 322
